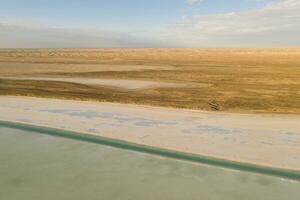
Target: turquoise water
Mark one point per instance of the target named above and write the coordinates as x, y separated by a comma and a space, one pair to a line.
39, 166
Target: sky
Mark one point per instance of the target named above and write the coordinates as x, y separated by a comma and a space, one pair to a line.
149, 23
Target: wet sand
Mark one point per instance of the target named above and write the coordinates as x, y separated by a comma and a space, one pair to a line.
263, 139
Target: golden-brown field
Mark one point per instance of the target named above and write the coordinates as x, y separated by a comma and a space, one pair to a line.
233, 80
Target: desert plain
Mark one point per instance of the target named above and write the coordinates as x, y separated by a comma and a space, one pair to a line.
228, 80
235, 104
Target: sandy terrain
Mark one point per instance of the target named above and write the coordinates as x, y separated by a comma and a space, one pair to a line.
270, 140
205, 56
228, 80
15, 68
119, 83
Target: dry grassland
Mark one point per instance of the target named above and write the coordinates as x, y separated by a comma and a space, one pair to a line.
232, 80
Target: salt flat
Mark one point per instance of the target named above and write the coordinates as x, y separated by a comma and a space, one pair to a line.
264, 139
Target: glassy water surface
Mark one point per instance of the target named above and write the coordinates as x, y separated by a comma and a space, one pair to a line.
37, 166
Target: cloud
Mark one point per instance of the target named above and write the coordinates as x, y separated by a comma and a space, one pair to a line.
15, 35
275, 25
192, 2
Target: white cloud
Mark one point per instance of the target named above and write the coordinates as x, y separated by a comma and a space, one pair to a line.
192, 2
22, 35
277, 24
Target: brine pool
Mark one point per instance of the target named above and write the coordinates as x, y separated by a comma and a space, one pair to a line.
40, 166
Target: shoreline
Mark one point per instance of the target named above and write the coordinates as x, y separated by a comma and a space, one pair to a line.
207, 143
165, 108
288, 174
37, 127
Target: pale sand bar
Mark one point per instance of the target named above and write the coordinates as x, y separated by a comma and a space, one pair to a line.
264, 139
128, 84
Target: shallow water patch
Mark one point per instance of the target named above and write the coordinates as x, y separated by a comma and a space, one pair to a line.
41, 166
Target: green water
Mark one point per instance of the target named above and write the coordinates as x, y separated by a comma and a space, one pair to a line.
39, 166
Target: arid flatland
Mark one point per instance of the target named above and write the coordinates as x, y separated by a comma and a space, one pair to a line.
231, 80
